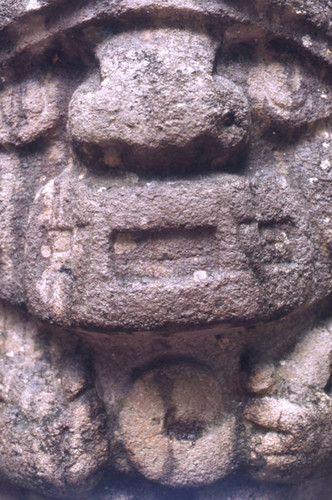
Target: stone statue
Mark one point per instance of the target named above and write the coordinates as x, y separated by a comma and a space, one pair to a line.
166, 248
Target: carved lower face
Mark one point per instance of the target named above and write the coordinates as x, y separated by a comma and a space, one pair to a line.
177, 206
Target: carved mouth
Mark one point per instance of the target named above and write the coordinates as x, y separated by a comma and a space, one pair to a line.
117, 256
162, 253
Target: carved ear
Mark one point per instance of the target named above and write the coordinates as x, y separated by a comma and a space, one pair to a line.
308, 366
28, 110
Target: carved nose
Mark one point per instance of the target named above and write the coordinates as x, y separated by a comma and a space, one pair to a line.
158, 107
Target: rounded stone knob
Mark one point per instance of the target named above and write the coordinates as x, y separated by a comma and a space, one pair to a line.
158, 106
175, 426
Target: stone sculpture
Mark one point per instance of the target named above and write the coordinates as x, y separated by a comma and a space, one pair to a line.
166, 247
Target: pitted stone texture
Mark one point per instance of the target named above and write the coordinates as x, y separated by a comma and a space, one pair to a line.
213, 249
247, 246
53, 424
292, 434
282, 94
230, 271
11, 188
27, 110
176, 428
158, 106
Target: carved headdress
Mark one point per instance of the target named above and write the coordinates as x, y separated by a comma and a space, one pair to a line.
292, 20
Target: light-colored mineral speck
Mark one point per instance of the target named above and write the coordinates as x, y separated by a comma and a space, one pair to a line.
200, 275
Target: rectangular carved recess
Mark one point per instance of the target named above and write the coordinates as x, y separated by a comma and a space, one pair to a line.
161, 253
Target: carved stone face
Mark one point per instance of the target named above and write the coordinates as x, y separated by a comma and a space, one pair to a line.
167, 172
192, 191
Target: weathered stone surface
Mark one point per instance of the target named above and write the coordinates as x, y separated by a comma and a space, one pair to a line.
142, 115
53, 433
28, 110
165, 249
178, 410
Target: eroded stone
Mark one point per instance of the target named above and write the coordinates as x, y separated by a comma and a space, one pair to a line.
141, 113
176, 428
170, 246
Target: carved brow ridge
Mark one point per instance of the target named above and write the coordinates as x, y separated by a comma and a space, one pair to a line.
60, 17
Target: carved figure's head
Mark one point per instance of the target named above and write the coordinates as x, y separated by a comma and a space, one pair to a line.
166, 168
186, 185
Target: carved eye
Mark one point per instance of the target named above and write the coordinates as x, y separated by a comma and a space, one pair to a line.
285, 89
